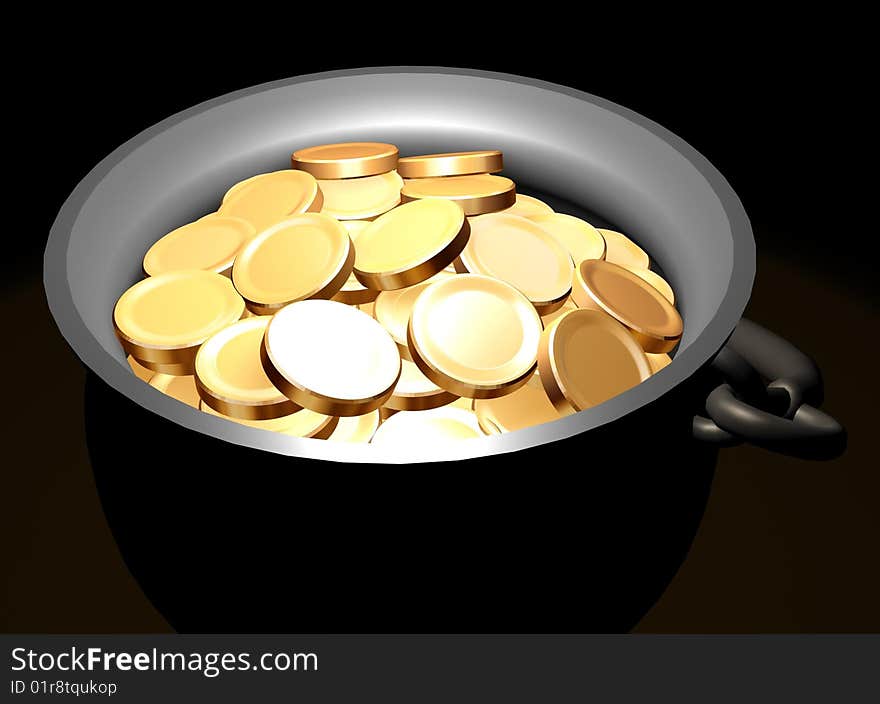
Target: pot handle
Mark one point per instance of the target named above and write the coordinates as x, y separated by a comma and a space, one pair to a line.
781, 415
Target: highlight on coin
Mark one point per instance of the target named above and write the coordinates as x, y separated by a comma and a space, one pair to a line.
365, 297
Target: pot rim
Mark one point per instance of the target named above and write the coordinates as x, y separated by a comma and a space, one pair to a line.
687, 362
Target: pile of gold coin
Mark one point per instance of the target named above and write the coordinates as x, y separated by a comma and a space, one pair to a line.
361, 296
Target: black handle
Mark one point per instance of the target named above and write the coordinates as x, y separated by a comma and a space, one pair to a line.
780, 415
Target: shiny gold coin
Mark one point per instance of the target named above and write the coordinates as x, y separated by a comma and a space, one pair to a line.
361, 198
230, 376
302, 424
422, 430
476, 194
585, 358
140, 371
525, 407
183, 388
162, 320
410, 244
451, 164
346, 159
658, 361
235, 188
657, 281
629, 299
579, 237
305, 256
416, 392
385, 413
474, 336
464, 403
268, 198
392, 309
368, 308
353, 292
527, 206
559, 312
356, 428
209, 243
522, 253
623, 251
330, 358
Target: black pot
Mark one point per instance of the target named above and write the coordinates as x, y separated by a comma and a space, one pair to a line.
576, 525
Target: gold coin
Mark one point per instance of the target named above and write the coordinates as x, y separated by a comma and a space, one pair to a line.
140, 371
476, 194
235, 188
162, 320
353, 291
658, 361
410, 244
623, 251
385, 413
368, 308
416, 392
330, 358
657, 281
474, 336
305, 256
629, 299
422, 430
451, 164
361, 198
346, 159
356, 428
585, 358
559, 312
392, 309
209, 243
269, 198
579, 237
230, 376
302, 424
527, 206
183, 388
522, 253
525, 407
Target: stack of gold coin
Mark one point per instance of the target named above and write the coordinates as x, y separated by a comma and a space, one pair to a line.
365, 297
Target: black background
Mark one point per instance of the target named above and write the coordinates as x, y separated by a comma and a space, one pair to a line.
786, 545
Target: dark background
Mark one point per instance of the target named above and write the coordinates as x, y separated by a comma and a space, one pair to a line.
786, 545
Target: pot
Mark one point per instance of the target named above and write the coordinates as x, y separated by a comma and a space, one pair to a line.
577, 525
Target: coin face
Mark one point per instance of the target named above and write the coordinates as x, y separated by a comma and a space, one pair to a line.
474, 336
330, 358
392, 309
163, 319
230, 377
302, 424
416, 392
210, 243
356, 428
527, 206
410, 244
522, 253
268, 198
346, 159
623, 251
657, 281
305, 256
451, 164
353, 291
579, 237
525, 407
476, 194
360, 198
587, 357
422, 430
239, 185
183, 388
629, 299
